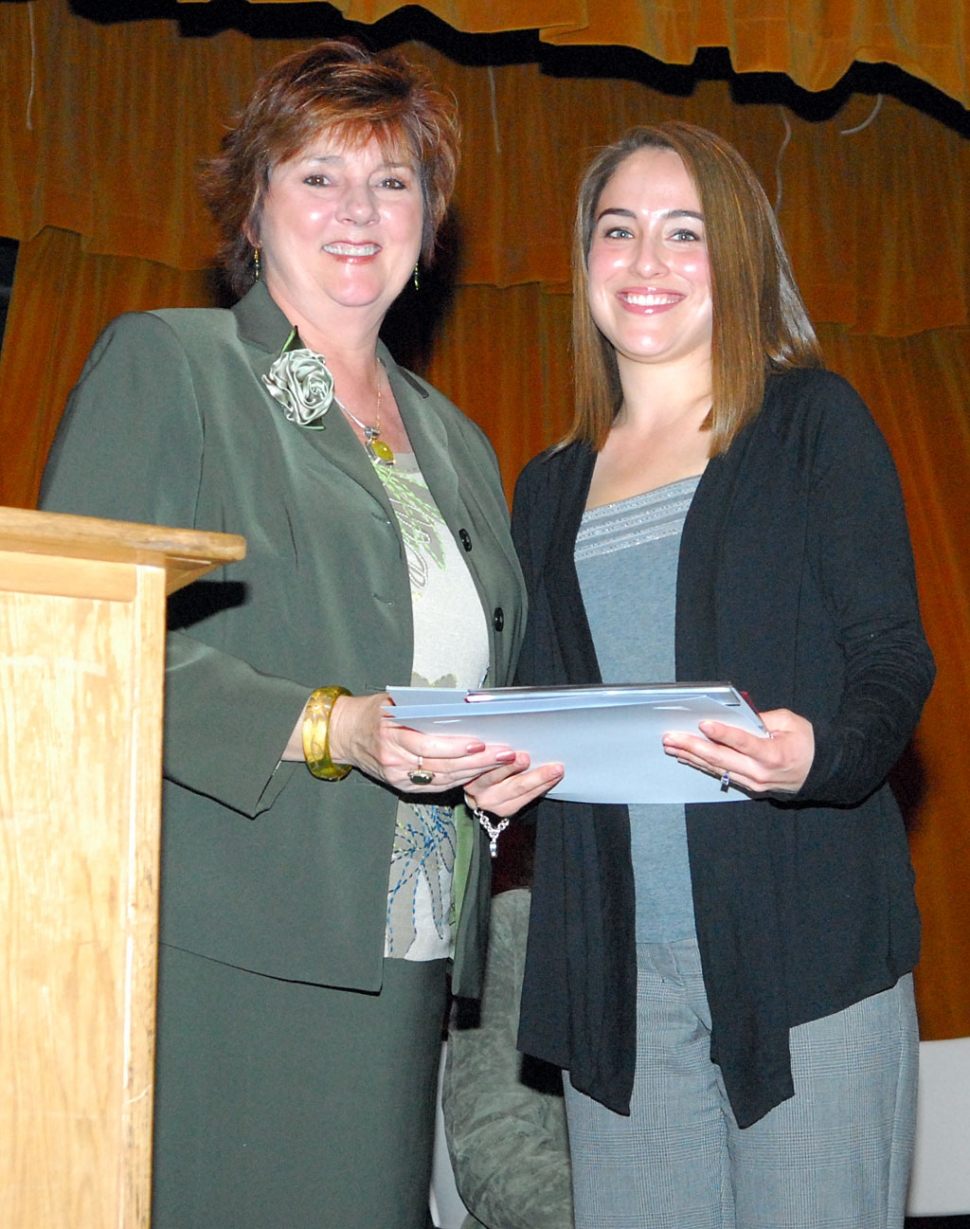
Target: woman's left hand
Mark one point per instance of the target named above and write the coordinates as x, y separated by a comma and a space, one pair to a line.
505, 790
781, 762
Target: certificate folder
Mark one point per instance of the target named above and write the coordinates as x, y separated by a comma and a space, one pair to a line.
608, 737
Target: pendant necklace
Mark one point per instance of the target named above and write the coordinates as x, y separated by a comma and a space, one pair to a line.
378, 451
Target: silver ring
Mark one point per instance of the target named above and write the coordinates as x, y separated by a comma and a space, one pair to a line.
725, 780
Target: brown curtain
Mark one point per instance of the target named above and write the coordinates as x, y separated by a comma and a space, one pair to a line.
102, 128
918, 389
62, 298
812, 43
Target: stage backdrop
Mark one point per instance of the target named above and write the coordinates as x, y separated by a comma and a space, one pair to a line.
102, 124
813, 43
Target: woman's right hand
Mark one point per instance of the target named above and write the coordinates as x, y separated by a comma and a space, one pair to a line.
361, 735
506, 789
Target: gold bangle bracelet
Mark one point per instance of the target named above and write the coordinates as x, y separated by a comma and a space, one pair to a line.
316, 734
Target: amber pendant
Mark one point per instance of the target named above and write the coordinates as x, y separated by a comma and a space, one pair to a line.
379, 452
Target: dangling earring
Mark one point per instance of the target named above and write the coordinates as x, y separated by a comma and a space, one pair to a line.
416, 282
256, 264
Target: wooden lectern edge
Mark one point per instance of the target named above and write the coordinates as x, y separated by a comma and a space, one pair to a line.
81, 706
184, 554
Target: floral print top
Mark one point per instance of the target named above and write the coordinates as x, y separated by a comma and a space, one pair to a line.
450, 650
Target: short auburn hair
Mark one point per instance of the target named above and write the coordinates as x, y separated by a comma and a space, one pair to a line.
340, 87
760, 321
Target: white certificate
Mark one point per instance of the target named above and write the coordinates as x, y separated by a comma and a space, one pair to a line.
608, 737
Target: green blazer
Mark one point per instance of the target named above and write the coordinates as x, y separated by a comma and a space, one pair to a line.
263, 866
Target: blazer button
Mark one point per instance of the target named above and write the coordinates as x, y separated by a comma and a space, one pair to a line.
498, 618
465, 539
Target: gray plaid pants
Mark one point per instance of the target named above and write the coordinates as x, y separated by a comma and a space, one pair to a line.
834, 1156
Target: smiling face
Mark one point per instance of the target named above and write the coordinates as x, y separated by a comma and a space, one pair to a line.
340, 227
649, 278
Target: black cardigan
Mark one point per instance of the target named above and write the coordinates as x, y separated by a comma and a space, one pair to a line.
796, 583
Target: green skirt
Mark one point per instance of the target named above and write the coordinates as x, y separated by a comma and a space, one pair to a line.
282, 1105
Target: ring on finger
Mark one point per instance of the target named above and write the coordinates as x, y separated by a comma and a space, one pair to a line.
725, 780
419, 775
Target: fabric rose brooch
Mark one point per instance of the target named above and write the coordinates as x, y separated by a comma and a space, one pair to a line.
301, 382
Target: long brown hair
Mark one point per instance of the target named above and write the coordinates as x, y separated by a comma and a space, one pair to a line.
760, 322
356, 95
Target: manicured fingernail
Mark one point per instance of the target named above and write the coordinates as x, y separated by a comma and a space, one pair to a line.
474, 748
505, 757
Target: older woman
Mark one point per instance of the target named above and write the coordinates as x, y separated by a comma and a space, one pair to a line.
309, 848
727, 985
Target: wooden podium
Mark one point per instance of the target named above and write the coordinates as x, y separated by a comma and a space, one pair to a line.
82, 648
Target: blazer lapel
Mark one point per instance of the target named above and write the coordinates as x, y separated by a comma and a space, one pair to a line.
428, 436
264, 329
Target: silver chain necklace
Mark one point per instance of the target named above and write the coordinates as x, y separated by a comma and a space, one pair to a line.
379, 451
